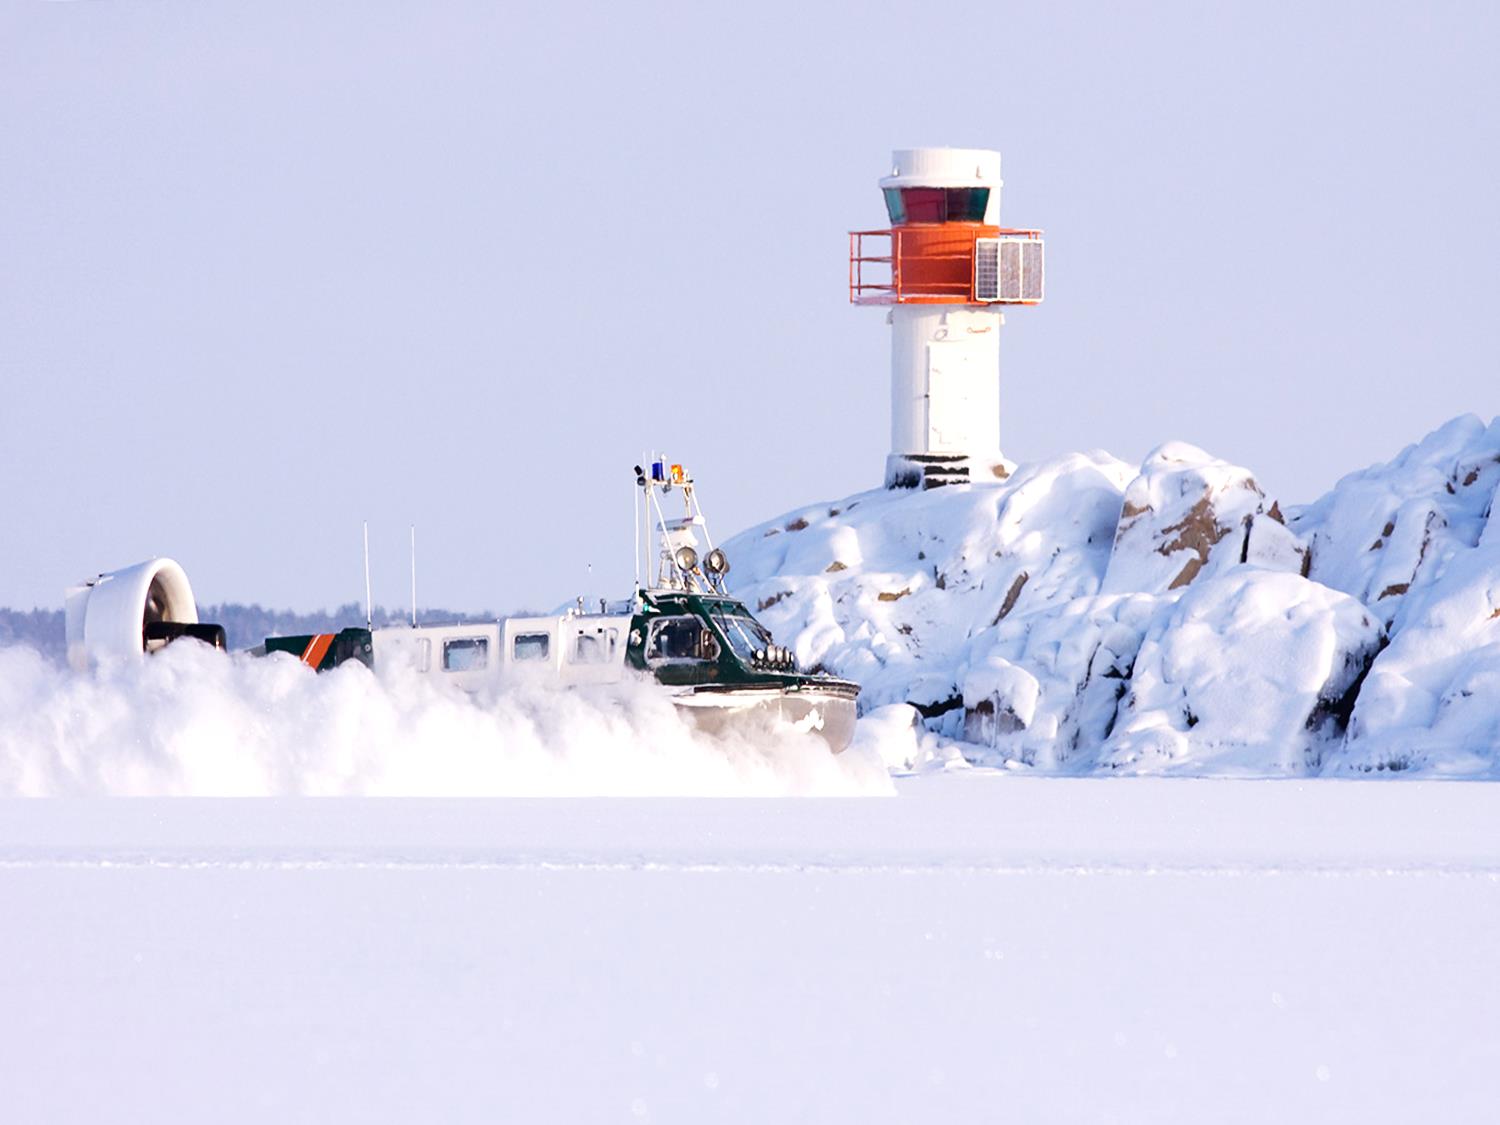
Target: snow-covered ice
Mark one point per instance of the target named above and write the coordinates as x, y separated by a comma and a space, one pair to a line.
985, 947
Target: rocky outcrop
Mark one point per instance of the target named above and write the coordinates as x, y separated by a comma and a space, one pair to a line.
1084, 615
1043, 689
1190, 515
1432, 698
1387, 530
1248, 672
888, 587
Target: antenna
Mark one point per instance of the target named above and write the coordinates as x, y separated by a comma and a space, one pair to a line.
635, 519
413, 576
368, 612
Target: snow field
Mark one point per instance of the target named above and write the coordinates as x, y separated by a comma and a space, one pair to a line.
986, 948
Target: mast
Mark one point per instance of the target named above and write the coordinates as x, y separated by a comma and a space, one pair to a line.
683, 562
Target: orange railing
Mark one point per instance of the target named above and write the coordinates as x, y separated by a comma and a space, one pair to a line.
927, 264
862, 292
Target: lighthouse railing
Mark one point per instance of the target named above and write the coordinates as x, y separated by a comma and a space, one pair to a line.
884, 260
881, 291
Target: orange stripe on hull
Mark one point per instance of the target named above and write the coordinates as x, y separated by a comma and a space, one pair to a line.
316, 649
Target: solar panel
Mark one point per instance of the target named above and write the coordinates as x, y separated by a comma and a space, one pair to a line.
1010, 270
1032, 275
986, 269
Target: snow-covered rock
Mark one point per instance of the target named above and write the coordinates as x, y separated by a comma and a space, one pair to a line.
1249, 672
1190, 515
886, 587
1432, 699
1087, 615
1042, 688
1388, 529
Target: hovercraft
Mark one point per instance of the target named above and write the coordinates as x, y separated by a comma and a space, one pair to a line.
682, 630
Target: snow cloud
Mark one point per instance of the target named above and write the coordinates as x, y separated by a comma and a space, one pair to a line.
193, 722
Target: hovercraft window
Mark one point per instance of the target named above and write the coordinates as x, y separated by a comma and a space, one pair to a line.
532, 646
466, 654
676, 638
413, 651
595, 648
746, 635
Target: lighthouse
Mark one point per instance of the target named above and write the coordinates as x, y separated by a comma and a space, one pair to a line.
947, 270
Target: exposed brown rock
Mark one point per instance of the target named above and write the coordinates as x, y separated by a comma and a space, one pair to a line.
1011, 597
797, 524
893, 596
1195, 512
1186, 574
834, 567
1434, 517
1392, 591
767, 603
1197, 531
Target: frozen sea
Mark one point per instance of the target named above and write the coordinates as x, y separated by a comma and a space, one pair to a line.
979, 947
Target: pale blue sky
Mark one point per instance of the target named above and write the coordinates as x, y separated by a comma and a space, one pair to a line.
270, 269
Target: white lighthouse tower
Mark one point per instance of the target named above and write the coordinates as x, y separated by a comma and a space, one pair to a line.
947, 268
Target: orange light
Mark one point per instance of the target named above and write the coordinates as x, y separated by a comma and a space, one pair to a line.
677, 474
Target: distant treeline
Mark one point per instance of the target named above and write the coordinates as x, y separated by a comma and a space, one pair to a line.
42, 629
244, 625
